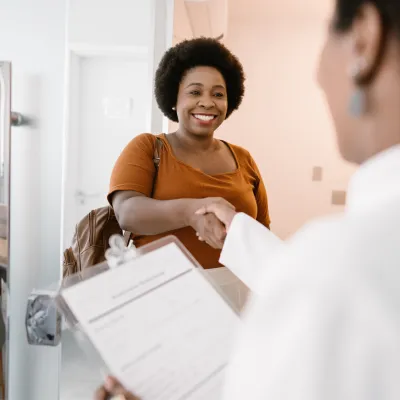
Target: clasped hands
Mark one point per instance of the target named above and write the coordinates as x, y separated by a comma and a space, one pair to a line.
211, 218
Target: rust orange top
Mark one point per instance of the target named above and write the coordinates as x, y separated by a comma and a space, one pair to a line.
244, 188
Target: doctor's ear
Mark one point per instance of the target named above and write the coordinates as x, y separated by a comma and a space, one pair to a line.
367, 44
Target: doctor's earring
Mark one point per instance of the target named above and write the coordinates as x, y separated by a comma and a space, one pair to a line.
358, 100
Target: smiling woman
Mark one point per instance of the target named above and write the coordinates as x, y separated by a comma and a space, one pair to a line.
198, 84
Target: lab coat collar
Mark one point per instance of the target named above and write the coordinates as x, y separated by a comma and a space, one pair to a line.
376, 181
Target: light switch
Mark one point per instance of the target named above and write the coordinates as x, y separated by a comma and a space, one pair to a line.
317, 174
338, 197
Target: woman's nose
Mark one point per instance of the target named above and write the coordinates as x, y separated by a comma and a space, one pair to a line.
206, 102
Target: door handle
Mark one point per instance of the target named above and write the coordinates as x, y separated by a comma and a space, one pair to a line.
17, 119
43, 321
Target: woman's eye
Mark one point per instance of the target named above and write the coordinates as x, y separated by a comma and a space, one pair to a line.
219, 95
195, 92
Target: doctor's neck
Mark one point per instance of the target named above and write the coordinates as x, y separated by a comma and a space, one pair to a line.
383, 130
379, 128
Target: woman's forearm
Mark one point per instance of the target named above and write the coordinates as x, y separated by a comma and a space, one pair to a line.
146, 216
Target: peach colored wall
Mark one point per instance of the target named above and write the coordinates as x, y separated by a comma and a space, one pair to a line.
283, 120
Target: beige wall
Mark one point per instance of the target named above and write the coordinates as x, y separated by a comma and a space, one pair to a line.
283, 120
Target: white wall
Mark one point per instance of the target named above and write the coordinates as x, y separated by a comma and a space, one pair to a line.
110, 23
32, 36
284, 121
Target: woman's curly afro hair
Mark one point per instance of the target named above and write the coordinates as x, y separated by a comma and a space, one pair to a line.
190, 54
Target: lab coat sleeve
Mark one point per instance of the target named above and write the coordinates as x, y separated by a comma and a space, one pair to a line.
247, 248
313, 337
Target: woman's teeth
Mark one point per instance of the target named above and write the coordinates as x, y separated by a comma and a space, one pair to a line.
204, 117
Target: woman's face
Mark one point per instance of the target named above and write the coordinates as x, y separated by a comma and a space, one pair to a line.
202, 101
336, 83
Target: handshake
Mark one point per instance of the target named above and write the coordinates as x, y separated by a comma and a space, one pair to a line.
211, 218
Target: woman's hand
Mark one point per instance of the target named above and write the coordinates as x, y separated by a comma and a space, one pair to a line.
225, 213
112, 389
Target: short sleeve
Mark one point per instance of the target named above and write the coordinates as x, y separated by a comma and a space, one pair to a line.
134, 169
260, 194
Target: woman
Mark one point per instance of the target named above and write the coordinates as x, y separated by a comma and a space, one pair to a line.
199, 83
329, 325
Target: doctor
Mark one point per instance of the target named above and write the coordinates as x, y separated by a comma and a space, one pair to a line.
324, 323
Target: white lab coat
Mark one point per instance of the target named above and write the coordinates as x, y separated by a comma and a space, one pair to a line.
324, 323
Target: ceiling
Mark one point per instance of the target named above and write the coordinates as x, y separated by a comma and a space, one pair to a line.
255, 9
272, 8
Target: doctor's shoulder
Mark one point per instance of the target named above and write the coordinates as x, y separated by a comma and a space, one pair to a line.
321, 247
338, 248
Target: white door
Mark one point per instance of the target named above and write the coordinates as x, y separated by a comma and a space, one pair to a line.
113, 110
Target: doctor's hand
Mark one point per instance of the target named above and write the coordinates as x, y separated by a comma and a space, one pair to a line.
223, 212
112, 389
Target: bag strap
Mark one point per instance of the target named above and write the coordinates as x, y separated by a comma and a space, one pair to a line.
157, 151
156, 159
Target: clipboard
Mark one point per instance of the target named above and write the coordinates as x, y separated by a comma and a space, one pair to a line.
203, 342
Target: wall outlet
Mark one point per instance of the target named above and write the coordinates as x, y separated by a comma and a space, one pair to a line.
316, 174
339, 197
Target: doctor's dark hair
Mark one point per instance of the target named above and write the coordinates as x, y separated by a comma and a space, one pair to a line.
347, 11
189, 54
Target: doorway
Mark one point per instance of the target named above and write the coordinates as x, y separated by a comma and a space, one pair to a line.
108, 108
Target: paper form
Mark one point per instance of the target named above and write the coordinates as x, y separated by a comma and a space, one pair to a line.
247, 249
159, 325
